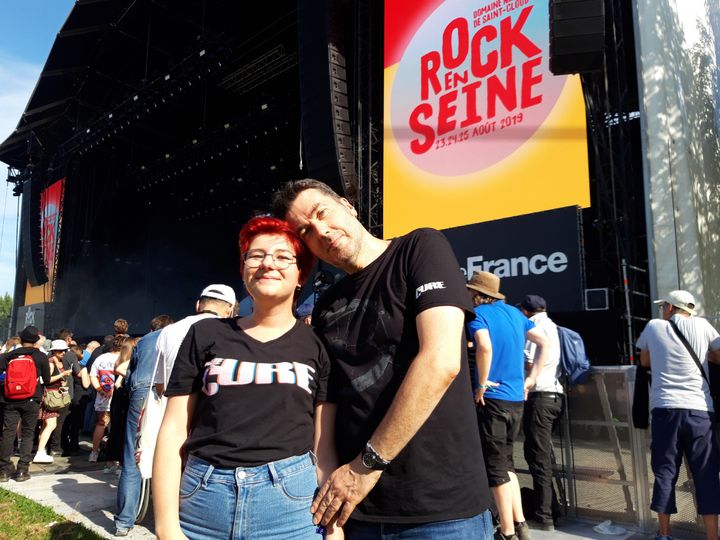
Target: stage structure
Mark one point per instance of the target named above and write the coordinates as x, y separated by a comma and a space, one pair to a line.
172, 123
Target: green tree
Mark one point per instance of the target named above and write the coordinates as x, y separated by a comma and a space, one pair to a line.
6, 303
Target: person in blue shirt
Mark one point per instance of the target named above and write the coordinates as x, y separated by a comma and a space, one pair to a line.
499, 332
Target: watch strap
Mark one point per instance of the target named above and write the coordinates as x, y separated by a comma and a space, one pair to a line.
379, 464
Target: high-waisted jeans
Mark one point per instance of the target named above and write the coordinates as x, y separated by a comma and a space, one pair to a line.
263, 502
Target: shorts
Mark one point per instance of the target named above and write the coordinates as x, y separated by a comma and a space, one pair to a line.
499, 422
102, 418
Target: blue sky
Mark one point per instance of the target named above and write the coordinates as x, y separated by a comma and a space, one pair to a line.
27, 32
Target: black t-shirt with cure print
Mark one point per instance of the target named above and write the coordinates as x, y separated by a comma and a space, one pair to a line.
256, 400
368, 324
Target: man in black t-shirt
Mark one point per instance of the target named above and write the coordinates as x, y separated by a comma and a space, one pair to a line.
23, 410
393, 327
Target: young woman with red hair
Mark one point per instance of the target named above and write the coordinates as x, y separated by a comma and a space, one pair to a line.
247, 406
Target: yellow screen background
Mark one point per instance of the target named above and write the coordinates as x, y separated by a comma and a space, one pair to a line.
550, 170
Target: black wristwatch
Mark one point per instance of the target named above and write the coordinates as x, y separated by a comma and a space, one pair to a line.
372, 460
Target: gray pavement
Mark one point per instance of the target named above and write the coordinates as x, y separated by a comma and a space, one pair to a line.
79, 491
82, 493
87, 496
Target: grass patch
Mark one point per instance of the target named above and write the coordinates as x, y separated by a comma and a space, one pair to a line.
24, 519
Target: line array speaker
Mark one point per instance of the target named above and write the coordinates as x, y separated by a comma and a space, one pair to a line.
577, 36
30, 229
326, 122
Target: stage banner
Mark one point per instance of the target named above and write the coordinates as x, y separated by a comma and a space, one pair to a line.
532, 254
51, 200
476, 128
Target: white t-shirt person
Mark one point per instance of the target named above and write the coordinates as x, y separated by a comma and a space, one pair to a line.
168, 344
104, 369
676, 380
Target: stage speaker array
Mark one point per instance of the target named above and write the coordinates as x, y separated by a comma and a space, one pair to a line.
326, 130
31, 234
577, 36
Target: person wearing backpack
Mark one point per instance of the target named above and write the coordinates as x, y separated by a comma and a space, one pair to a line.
543, 406
677, 349
25, 370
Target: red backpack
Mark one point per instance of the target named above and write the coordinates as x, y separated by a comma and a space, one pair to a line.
20, 378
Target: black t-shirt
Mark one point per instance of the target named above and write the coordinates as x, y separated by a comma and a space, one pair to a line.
70, 361
367, 322
41, 366
256, 400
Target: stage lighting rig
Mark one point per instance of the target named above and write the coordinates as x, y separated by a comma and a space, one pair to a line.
17, 177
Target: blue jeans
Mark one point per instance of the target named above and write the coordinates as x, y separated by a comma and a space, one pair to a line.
268, 501
478, 527
128, 494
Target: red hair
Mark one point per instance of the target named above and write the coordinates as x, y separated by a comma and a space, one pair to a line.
270, 225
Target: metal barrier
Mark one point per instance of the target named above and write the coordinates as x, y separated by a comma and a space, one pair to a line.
603, 462
609, 461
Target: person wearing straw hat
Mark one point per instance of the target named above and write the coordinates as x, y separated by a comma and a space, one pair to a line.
499, 332
677, 348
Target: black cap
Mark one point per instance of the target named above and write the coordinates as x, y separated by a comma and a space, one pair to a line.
30, 334
533, 302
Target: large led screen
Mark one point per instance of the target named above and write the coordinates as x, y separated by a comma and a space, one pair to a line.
476, 126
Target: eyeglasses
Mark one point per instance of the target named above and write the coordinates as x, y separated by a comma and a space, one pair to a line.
282, 258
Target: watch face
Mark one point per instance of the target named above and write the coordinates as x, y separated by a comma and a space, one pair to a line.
368, 460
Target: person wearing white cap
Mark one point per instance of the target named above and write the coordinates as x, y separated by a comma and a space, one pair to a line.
215, 300
58, 373
677, 348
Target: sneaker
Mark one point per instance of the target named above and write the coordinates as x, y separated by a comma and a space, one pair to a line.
500, 536
4, 477
93, 456
111, 468
42, 457
542, 523
120, 531
522, 531
547, 526
21, 476
659, 536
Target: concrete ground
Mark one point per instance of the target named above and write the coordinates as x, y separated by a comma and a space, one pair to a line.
81, 492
